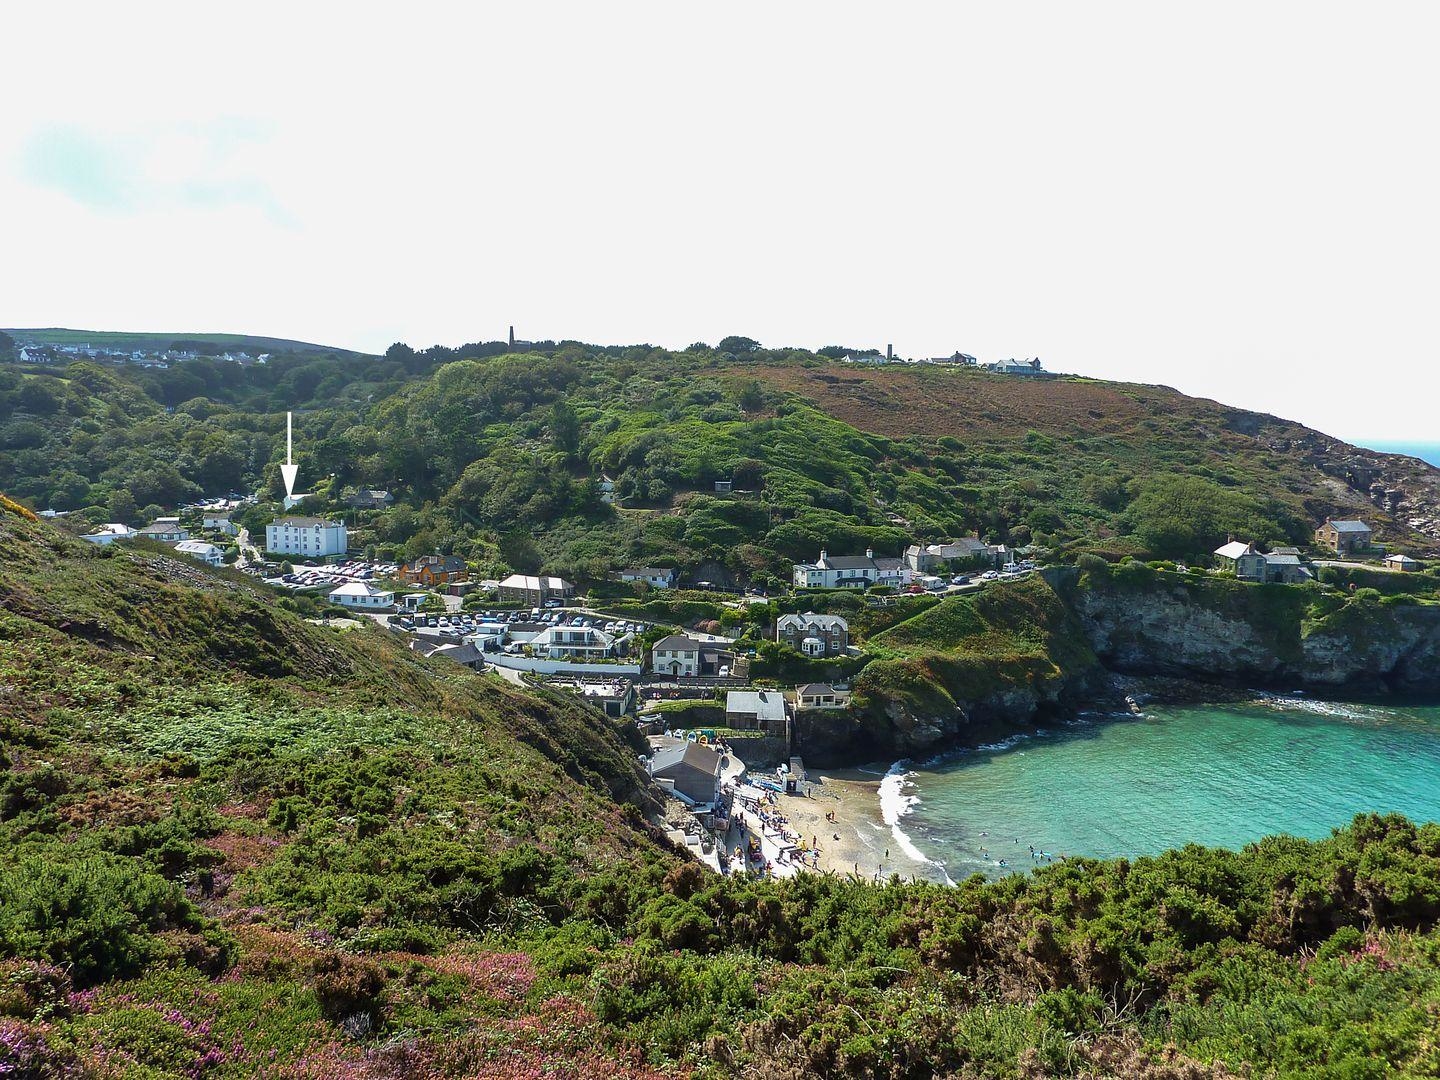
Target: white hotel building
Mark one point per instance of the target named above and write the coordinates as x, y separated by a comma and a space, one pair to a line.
308, 537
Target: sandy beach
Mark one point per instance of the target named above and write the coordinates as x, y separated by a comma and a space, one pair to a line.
866, 846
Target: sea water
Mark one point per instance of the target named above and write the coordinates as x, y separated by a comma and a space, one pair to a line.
1222, 775
1424, 451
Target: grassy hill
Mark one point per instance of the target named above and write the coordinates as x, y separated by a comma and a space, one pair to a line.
233, 844
119, 339
497, 457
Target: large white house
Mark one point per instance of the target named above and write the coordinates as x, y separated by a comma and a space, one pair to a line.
677, 656
310, 537
573, 643
364, 596
838, 571
108, 534
199, 549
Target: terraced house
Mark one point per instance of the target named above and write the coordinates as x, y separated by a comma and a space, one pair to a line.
838, 572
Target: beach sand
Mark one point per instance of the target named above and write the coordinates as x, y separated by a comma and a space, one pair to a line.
865, 841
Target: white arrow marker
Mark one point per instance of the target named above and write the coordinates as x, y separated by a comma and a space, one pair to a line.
289, 469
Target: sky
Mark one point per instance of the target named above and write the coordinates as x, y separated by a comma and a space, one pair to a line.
1237, 200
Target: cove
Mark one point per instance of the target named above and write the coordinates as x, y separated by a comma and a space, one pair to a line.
1219, 775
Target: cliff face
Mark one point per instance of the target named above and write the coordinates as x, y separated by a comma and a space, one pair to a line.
974, 669
1266, 636
966, 671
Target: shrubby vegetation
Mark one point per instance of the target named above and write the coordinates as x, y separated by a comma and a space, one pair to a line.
498, 457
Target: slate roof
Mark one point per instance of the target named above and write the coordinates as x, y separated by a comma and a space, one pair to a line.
692, 754
676, 643
1349, 526
764, 704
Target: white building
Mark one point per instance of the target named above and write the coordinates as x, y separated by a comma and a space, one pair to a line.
199, 549
573, 643
217, 521
677, 656
363, 596
108, 534
166, 530
656, 577
838, 572
310, 537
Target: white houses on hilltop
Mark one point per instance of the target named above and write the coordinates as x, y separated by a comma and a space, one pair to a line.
838, 572
310, 537
363, 596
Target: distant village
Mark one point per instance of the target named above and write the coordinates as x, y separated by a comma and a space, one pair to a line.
145, 358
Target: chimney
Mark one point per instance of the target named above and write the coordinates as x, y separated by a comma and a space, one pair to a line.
823, 554
889, 352
869, 553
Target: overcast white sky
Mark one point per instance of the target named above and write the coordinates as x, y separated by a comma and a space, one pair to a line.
1239, 200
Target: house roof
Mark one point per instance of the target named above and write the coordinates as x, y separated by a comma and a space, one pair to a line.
162, 527
465, 653
670, 758
648, 571
593, 636
533, 582
1279, 559
444, 563
359, 588
114, 528
1349, 526
1404, 560
813, 688
197, 547
1235, 549
847, 562
823, 622
676, 643
764, 704
306, 522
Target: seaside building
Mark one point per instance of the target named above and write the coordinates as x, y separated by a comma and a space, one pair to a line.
838, 572
1344, 537
363, 597
309, 537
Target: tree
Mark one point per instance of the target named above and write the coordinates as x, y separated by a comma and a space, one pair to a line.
565, 427
752, 397
122, 506
7, 346
738, 345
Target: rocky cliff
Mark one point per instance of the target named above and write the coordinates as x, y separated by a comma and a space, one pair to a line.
1268, 636
974, 669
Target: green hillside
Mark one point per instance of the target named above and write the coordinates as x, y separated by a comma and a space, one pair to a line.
498, 457
233, 844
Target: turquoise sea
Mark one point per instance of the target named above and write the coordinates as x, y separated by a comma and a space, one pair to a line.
1424, 451
1220, 775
